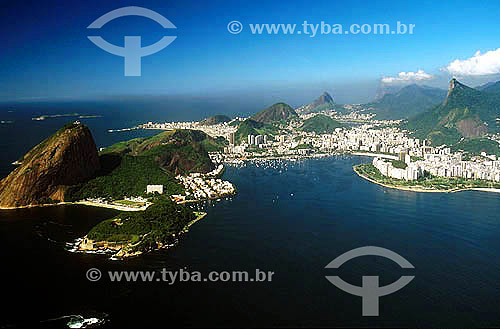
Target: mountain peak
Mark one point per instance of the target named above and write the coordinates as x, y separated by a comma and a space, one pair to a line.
277, 112
325, 98
66, 158
457, 85
454, 83
323, 102
458, 89
466, 112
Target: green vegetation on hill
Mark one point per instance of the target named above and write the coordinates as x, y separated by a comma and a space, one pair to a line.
466, 112
407, 102
159, 223
247, 127
179, 151
129, 146
399, 164
128, 167
125, 175
179, 137
493, 88
477, 145
276, 112
321, 124
252, 127
215, 144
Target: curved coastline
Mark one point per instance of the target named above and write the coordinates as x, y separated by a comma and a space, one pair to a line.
417, 189
125, 250
84, 203
37, 205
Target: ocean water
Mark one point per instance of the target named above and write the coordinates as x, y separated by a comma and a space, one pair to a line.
19, 133
291, 218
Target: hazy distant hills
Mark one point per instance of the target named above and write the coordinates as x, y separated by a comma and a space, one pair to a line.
276, 112
490, 87
384, 89
466, 112
324, 102
215, 119
406, 102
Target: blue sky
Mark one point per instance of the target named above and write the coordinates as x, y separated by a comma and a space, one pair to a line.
45, 51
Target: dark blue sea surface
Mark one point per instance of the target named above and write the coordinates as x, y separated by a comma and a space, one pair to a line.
19, 133
291, 218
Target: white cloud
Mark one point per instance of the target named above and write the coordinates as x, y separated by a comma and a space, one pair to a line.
420, 75
480, 64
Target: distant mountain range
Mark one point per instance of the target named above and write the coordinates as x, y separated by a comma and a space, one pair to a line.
406, 102
465, 113
384, 89
490, 87
276, 112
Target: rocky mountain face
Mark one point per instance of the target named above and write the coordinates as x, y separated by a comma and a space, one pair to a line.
466, 112
276, 112
322, 103
384, 89
460, 99
325, 98
185, 151
66, 158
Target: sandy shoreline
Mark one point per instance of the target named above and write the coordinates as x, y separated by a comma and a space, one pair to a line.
417, 189
85, 203
36, 205
110, 206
